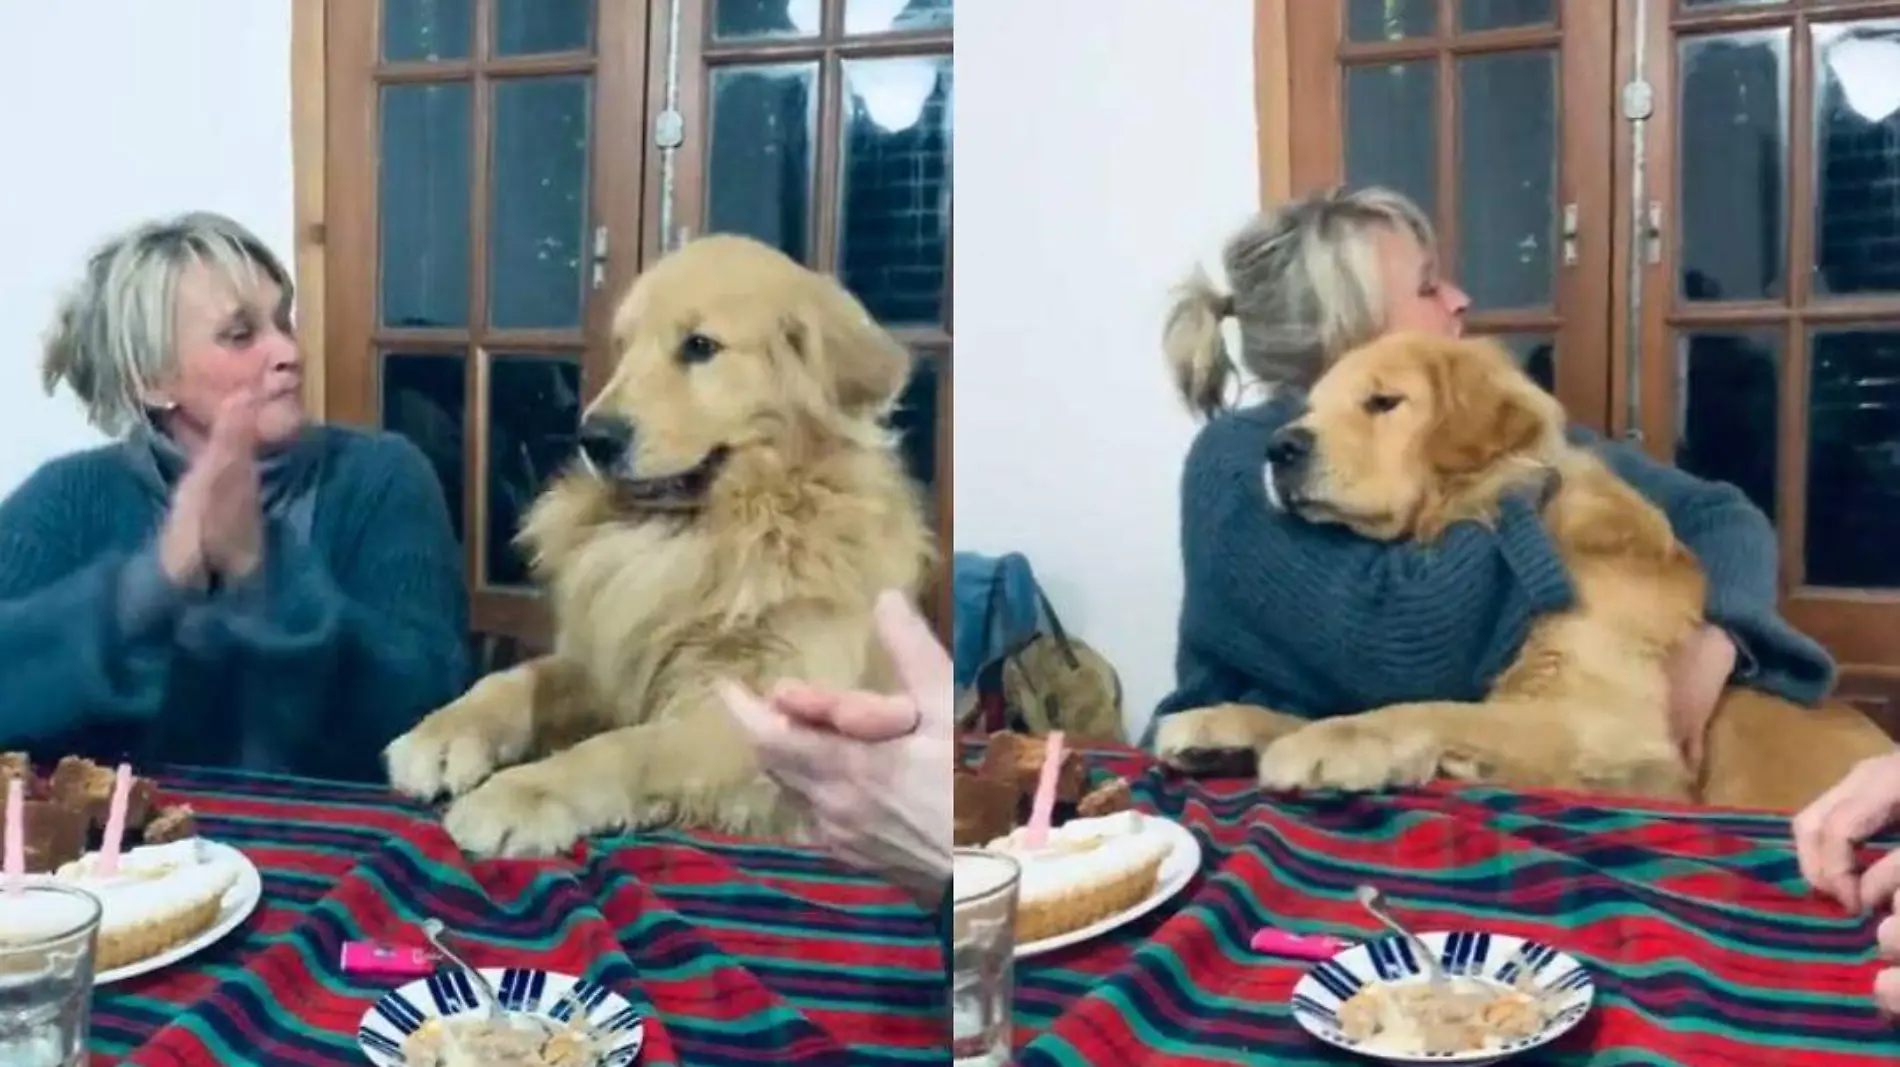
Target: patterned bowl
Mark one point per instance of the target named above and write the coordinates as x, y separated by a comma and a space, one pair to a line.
1558, 979
544, 994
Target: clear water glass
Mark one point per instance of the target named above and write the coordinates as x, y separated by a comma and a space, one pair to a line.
48, 934
984, 888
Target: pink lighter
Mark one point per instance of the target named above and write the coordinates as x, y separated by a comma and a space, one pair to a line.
399, 961
1298, 946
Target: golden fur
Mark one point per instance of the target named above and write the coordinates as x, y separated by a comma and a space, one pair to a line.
1411, 434
770, 573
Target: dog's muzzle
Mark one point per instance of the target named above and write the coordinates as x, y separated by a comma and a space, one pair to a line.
1289, 461
606, 449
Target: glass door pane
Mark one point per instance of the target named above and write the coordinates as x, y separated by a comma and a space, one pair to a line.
1494, 121
1772, 306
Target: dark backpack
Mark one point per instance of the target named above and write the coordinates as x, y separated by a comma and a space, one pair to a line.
1017, 666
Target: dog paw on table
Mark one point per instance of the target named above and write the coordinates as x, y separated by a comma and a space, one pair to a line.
519, 812
1352, 754
1220, 739
457, 747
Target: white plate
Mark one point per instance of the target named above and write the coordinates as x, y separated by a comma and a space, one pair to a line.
1471, 953
448, 993
1184, 859
239, 901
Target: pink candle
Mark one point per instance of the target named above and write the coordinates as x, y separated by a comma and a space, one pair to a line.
115, 822
1042, 808
16, 836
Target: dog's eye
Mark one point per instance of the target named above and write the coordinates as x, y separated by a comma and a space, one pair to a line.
1380, 403
698, 348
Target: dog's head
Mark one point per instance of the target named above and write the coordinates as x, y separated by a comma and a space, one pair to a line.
1408, 428
728, 348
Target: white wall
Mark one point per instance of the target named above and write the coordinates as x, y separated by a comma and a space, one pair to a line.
1103, 147
113, 111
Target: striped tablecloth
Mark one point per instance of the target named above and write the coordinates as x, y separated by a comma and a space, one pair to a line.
739, 953
1706, 945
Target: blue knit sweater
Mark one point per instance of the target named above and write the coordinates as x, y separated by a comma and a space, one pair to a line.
1315, 621
340, 642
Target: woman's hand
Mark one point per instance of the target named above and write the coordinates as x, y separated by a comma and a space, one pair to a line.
1887, 944
880, 793
1827, 831
216, 523
856, 714
1698, 674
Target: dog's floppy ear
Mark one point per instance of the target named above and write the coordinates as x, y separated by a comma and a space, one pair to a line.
1484, 410
860, 363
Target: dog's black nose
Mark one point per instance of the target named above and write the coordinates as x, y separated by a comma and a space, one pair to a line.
1290, 446
605, 439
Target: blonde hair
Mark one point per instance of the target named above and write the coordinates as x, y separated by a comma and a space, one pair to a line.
1305, 287
113, 337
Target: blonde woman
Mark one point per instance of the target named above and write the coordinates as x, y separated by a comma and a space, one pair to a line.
1315, 621
224, 583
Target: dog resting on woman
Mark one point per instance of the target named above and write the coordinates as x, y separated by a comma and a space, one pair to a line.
737, 505
1407, 436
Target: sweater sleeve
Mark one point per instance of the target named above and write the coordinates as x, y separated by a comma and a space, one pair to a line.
1382, 622
382, 631
1736, 545
86, 635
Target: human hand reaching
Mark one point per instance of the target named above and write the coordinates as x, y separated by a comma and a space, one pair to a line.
875, 768
1827, 831
1699, 674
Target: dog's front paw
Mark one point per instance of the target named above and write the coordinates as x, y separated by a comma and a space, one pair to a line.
1349, 755
1219, 740
518, 812
454, 749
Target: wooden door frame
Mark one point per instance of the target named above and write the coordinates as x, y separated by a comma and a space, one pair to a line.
1855, 625
1299, 111
309, 88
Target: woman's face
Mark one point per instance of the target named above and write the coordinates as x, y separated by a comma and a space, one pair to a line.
228, 339
1417, 300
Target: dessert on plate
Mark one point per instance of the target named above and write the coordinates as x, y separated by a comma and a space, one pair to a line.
993, 799
152, 898
160, 897
1083, 852
65, 811
1084, 871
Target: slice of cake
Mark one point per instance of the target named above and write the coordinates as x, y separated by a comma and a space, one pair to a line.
174, 822
1017, 758
982, 808
1085, 871
1107, 798
160, 897
51, 835
83, 784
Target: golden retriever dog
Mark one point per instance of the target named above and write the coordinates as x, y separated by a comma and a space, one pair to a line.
736, 507
1408, 435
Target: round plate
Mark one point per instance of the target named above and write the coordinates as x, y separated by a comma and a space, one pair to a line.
1564, 983
1176, 872
448, 993
239, 901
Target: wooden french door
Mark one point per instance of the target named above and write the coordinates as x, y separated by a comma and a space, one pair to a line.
1491, 116
1770, 330
1696, 203
496, 172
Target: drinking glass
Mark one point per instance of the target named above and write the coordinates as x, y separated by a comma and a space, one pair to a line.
48, 933
982, 956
